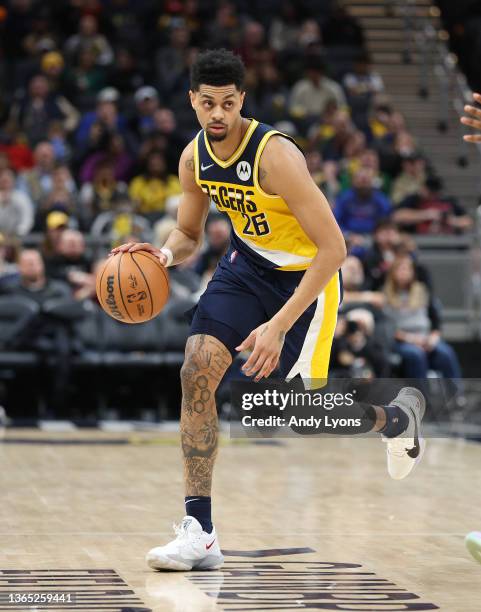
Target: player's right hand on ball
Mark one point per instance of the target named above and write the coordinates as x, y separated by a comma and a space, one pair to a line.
131, 247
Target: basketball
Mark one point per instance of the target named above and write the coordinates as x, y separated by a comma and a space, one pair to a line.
132, 287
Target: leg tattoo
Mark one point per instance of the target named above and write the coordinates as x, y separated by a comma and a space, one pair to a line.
206, 360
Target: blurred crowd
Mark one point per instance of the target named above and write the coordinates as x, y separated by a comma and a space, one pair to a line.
94, 114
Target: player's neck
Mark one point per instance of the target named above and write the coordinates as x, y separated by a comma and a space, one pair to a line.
224, 149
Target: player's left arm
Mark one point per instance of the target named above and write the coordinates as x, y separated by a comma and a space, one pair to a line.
284, 172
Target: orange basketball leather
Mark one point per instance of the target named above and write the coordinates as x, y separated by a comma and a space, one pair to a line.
132, 287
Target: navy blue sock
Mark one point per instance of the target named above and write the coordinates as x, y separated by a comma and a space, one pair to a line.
397, 421
199, 507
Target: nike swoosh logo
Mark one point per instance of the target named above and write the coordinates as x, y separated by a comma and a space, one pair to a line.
202, 167
415, 450
207, 546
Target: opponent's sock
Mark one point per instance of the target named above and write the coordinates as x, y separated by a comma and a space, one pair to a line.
200, 508
397, 421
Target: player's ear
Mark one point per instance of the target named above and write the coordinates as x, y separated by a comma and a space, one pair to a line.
192, 97
242, 96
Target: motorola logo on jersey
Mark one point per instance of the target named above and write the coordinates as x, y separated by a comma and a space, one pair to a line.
244, 170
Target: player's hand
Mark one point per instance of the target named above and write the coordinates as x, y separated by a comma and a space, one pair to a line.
131, 247
472, 118
266, 342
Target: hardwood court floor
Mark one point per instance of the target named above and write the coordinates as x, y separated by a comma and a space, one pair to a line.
68, 508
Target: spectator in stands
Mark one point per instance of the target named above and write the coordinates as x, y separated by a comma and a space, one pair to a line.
268, 94
99, 195
166, 125
16, 208
37, 182
361, 85
38, 107
120, 222
218, 237
252, 43
12, 144
146, 104
367, 158
71, 254
113, 148
9, 250
381, 120
389, 136
62, 196
150, 189
389, 243
355, 288
379, 257
323, 174
429, 212
225, 29
33, 282
284, 28
41, 37
417, 321
85, 78
88, 37
356, 352
309, 35
56, 222
411, 179
353, 149
358, 209
335, 136
104, 119
58, 138
126, 75
49, 336
71, 264
311, 95
53, 69
170, 60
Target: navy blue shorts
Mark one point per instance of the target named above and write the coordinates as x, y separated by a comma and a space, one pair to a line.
241, 296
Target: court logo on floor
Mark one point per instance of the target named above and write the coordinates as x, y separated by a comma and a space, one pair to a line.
258, 580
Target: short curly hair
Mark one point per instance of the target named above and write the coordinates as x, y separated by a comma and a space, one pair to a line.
217, 67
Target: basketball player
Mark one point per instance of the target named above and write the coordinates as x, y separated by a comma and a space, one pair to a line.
276, 292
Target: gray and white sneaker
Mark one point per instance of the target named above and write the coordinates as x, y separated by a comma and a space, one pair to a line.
406, 450
193, 548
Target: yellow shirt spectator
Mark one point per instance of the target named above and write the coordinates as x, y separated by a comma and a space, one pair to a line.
151, 190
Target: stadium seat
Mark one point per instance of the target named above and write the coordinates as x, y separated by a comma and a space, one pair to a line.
133, 345
177, 324
16, 314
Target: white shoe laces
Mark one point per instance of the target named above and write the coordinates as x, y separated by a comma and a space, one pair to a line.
181, 533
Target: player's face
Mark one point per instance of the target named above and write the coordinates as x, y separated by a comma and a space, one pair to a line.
217, 109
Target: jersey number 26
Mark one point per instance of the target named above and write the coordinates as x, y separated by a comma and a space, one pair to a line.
256, 225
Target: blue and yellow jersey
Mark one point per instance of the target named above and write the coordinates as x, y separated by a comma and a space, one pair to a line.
263, 227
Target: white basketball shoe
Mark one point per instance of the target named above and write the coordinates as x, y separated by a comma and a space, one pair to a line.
193, 548
406, 450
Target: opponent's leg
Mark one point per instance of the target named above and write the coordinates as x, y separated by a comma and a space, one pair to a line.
196, 545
